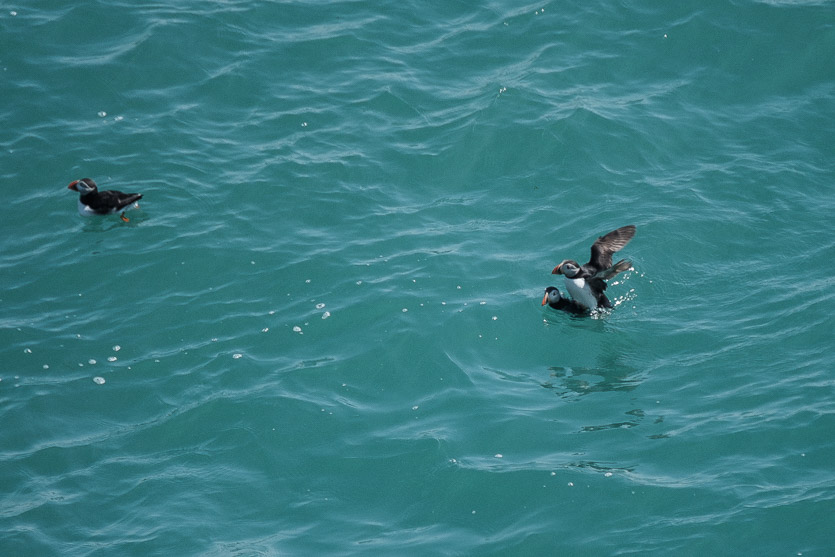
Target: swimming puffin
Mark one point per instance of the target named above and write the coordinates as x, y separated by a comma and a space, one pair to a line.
586, 283
95, 202
555, 299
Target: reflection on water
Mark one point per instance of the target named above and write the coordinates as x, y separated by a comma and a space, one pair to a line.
570, 382
609, 373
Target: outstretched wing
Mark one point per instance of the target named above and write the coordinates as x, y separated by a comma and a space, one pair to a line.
612, 271
605, 246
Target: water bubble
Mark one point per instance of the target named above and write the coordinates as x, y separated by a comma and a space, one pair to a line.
415, 407
570, 484
117, 348
265, 329
98, 380
237, 356
320, 306
27, 350
495, 318
92, 362
297, 329
608, 474
499, 455
326, 315
111, 359
102, 113
404, 310
46, 366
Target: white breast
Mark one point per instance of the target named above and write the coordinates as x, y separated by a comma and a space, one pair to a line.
84, 210
581, 292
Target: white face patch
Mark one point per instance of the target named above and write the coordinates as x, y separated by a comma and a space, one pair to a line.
570, 270
83, 187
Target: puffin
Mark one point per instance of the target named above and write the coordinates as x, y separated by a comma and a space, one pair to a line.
586, 283
105, 202
554, 298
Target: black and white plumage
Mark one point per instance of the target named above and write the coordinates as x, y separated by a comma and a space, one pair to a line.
105, 202
554, 298
586, 283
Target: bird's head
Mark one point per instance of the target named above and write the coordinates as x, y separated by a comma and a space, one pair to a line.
569, 268
85, 185
552, 296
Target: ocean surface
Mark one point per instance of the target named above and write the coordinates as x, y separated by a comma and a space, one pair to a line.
321, 331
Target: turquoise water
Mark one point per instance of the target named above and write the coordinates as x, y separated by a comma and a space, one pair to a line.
321, 333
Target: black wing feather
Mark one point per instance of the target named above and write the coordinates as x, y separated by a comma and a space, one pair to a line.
605, 246
110, 200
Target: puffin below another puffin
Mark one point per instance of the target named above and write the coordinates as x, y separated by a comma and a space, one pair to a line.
554, 298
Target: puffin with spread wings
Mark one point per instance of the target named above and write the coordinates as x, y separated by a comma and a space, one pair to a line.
587, 283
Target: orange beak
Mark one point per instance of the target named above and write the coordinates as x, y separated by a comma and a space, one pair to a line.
545, 299
557, 270
72, 186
